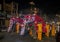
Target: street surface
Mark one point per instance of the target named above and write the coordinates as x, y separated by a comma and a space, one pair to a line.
13, 37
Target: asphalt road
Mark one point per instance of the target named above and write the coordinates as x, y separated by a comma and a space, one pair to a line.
13, 37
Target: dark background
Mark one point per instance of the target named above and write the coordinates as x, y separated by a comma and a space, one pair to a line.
50, 6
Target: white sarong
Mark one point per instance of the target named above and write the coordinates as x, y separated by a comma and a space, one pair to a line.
22, 31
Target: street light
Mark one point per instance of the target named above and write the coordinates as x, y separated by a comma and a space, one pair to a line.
32, 3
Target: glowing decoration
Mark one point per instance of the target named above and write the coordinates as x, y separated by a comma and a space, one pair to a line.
11, 22
39, 19
22, 29
17, 27
39, 32
53, 31
47, 29
58, 27
19, 21
30, 32
32, 3
22, 25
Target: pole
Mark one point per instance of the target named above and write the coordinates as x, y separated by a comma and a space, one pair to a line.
17, 9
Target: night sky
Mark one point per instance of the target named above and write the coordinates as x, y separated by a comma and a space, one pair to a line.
49, 6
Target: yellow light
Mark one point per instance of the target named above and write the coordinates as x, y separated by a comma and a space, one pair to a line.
32, 3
